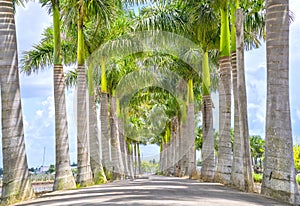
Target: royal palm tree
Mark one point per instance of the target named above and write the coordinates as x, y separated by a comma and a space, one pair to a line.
241, 176
94, 141
117, 161
224, 164
16, 185
279, 171
63, 176
78, 12
205, 27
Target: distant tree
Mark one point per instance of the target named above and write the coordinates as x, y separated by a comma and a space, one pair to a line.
51, 169
73, 164
32, 169
296, 149
257, 148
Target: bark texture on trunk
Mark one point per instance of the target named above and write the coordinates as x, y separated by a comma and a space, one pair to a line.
105, 135
192, 172
242, 170
237, 177
130, 159
208, 145
63, 176
224, 165
279, 171
123, 146
184, 148
139, 158
84, 176
94, 143
135, 159
118, 166
16, 184
179, 156
176, 147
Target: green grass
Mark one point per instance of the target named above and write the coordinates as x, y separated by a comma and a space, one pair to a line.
257, 177
298, 179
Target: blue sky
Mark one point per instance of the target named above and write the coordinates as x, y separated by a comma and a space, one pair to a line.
37, 90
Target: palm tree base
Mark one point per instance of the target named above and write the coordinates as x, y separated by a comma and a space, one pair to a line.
64, 183
16, 192
99, 177
291, 197
223, 178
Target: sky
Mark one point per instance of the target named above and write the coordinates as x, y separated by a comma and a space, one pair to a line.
37, 90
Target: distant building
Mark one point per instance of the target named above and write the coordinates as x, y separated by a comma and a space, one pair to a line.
42, 169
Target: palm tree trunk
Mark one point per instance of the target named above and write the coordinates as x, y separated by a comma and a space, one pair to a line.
223, 172
135, 159
237, 176
208, 146
177, 147
161, 154
172, 146
243, 178
105, 136
130, 159
94, 143
139, 158
174, 140
192, 172
279, 171
16, 184
118, 166
64, 178
184, 148
84, 176
123, 146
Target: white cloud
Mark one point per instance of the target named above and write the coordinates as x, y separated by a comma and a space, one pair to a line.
39, 113
260, 117
253, 106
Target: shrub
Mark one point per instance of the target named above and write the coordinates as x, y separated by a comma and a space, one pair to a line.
257, 177
298, 179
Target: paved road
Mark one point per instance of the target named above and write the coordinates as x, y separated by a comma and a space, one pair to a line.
154, 190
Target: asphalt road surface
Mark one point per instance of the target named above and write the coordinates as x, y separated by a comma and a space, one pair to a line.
154, 190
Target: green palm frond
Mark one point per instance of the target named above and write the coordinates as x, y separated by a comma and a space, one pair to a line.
71, 78
102, 10
49, 4
39, 58
41, 55
162, 15
137, 2
254, 23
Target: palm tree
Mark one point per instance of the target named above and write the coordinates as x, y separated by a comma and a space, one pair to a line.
118, 166
223, 172
206, 30
279, 171
191, 130
63, 176
16, 184
241, 176
105, 134
94, 142
84, 176
78, 12
52, 50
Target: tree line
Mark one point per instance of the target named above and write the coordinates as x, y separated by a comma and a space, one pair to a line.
210, 33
